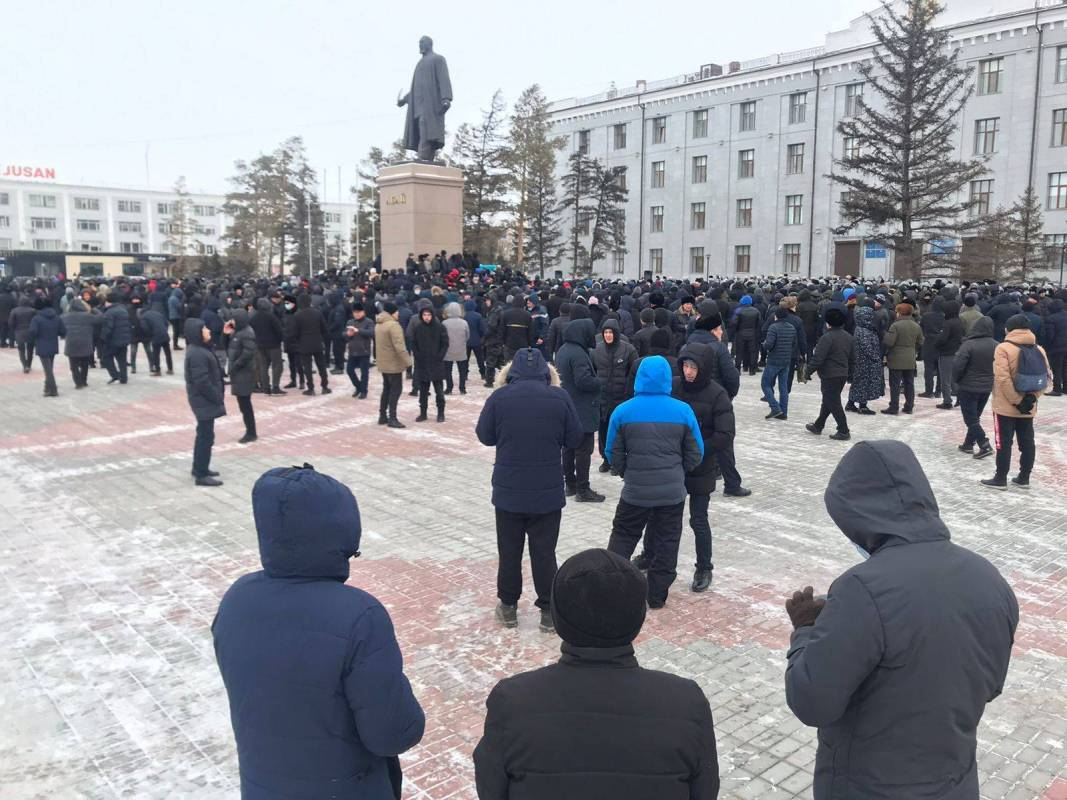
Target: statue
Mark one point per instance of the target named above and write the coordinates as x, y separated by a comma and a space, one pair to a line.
430, 97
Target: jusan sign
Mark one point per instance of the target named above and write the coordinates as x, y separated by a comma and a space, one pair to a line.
26, 171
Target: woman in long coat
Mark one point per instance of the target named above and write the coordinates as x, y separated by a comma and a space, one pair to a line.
868, 380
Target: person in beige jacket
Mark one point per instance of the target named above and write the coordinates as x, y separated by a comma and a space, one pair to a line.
1013, 411
392, 358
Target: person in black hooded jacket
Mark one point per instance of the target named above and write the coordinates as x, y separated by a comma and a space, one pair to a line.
577, 375
429, 344
206, 395
946, 344
973, 375
616, 362
518, 327
896, 666
269, 332
310, 334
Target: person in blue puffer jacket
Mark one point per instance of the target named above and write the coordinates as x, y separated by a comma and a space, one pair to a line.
319, 702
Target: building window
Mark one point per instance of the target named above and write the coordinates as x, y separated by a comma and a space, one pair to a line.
165, 208
1059, 127
697, 216
1056, 249
620, 136
853, 99
89, 247
989, 72
794, 209
696, 259
332, 218
583, 142
88, 224
618, 263
744, 213
791, 257
47, 244
746, 163
42, 201
620, 178
43, 223
5, 221
583, 222
748, 116
700, 169
659, 174
5, 244
981, 193
1061, 64
655, 260
204, 211
850, 148
205, 231
130, 247
700, 123
795, 159
846, 198
129, 206
659, 130
985, 135
86, 204
4, 199
1057, 190
743, 258
129, 227
656, 219
798, 107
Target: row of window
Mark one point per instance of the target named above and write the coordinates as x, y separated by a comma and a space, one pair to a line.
794, 214
95, 225
699, 261
746, 166
986, 130
981, 194
38, 200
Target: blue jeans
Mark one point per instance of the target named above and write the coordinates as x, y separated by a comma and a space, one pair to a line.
362, 363
770, 375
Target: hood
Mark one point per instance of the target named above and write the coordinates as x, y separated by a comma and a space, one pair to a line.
303, 301
528, 364
178, 293
951, 309
453, 311
240, 318
879, 495
612, 324
307, 524
580, 331
77, 304
383, 318
25, 302
470, 306
982, 328
864, 317
701, 354
1020, 336
423, 303
653, 376
518, 301
193, 331
263, 304
1055, 307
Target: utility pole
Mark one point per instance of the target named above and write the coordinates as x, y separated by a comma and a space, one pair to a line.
307, 202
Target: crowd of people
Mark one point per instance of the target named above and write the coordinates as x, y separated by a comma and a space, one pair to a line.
646, 373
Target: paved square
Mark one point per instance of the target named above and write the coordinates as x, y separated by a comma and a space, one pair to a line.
113, 565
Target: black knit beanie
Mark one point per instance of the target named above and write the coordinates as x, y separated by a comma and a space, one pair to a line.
598, 600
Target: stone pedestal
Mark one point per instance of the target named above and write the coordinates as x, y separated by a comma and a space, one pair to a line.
422, 211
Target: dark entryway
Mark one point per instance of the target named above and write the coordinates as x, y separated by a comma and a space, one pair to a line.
846, 258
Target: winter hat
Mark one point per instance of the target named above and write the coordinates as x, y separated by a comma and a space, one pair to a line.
835, 317
746, 300
357, 307
1017, 321
708, 323
847, 293
389, 307
660, 338
647, 316
598, 600
970, 299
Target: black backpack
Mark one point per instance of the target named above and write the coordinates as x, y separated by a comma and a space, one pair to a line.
1031, 374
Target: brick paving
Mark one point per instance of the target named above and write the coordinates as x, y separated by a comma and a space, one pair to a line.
113, 565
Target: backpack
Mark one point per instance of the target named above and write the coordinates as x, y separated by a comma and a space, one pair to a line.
1031, 374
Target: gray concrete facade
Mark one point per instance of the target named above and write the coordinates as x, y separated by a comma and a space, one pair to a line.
1030, 43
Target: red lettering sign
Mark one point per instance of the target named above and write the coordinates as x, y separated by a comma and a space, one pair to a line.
25, 171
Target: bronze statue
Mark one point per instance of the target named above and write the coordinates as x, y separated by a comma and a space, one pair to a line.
427, 102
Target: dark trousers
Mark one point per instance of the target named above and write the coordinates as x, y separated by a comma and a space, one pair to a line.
1058, 362
945, 366
1021, 428
463, 367
972, 404
244, 402
205, 438
176, 331
664, 531
26, 354
79, 369
831, 403
392, 385
154, 353
270, 372
296, 368
479, 357
746, 353
134, 346
339, 352
319, 359
576, 463
114, 359
905, 377
930, 373
424, 395
361, 363
49, 374
698, 521
5, 336
731, 478
512, 530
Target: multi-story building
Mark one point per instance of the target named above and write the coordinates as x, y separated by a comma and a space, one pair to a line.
100, 226
727, 169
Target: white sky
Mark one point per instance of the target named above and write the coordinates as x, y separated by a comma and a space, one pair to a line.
87, 84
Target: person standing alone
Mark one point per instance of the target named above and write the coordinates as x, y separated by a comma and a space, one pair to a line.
392, 358
206, 395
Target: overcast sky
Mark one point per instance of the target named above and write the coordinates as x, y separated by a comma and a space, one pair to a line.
88, 84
